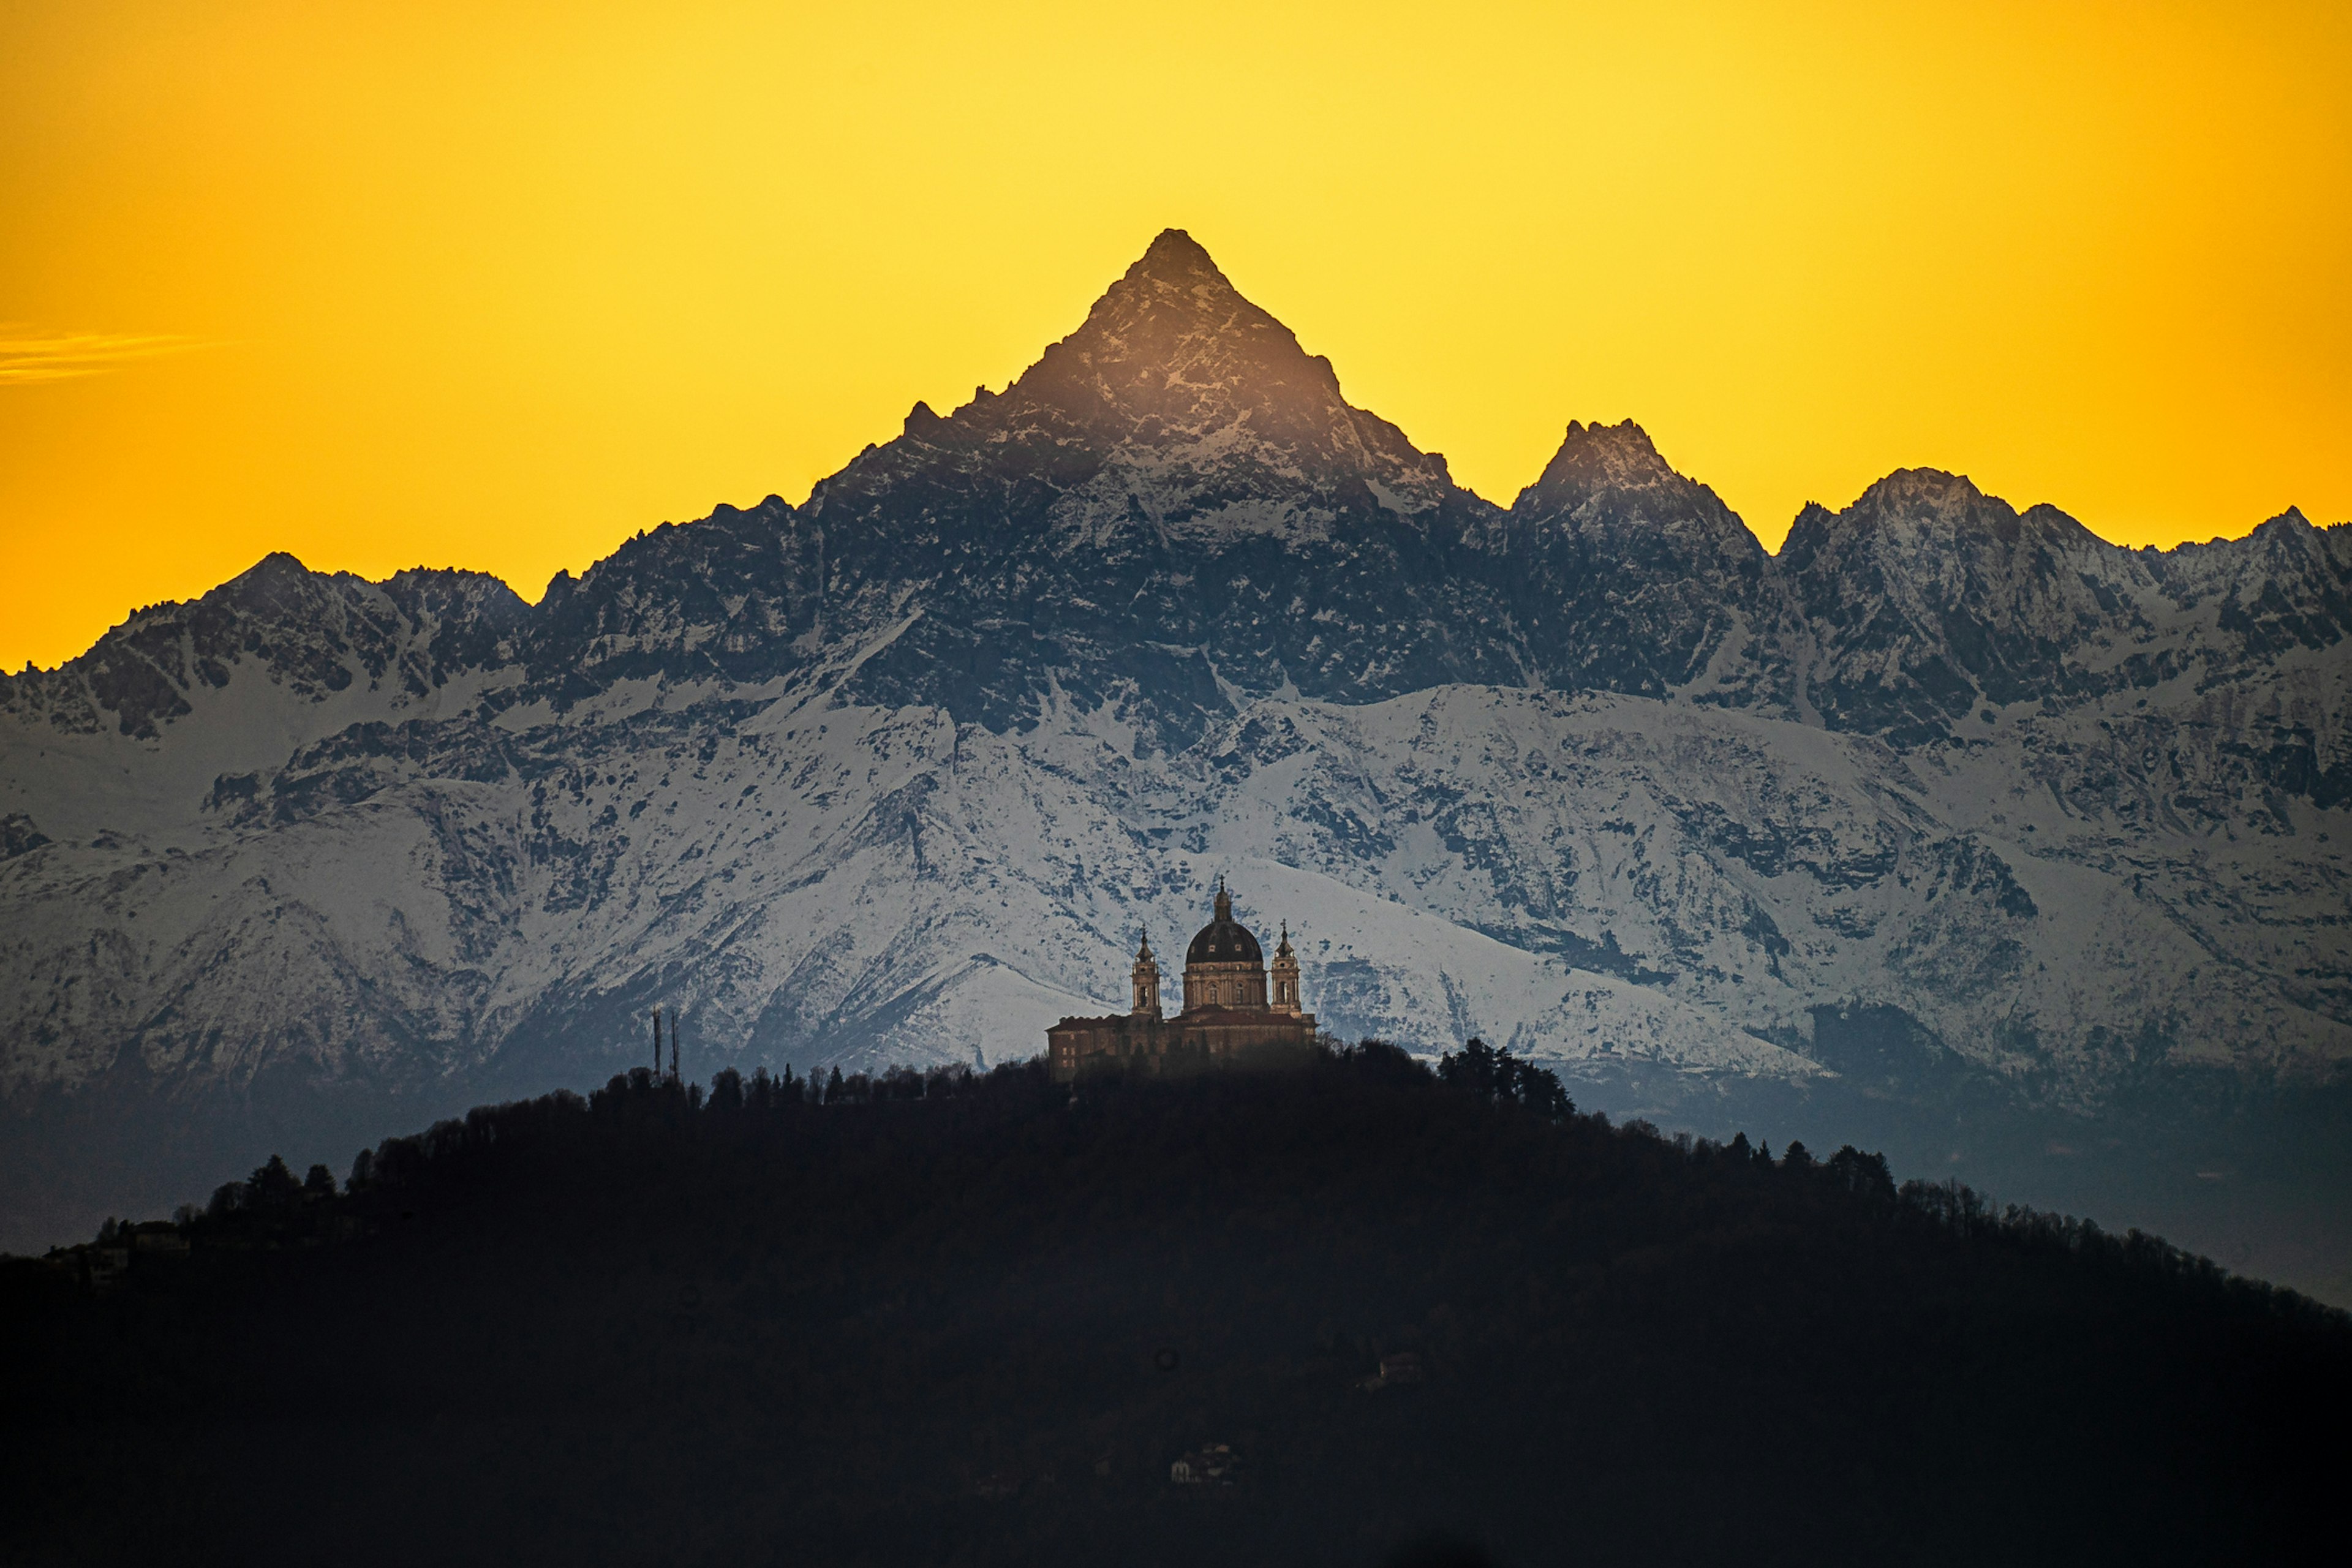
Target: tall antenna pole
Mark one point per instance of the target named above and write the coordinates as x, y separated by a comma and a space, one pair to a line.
673, 1045
657, 1042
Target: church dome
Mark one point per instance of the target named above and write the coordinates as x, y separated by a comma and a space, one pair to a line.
1225, 939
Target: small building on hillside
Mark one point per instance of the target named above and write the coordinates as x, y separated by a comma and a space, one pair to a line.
1211, 1464
158, 1238
1232, 1006
1403, 1366
105, 1264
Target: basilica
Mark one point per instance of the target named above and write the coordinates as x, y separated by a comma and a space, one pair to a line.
1233, 1007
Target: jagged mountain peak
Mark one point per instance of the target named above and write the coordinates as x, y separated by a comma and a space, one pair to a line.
309, 635
1177, 275
1623, 444
280, 588
1176, 259
1176, 388
275, 584
282, 564
1920, 507
1609, 486
1594, 458
1173, 350
453, 577
2291, 521
1932, 508
452, 595
2289, 531
1625, 573
1919, 488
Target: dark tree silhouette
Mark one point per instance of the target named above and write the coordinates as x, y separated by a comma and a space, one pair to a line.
1498, 1076
974, 1318
1864, 1175
272, 1187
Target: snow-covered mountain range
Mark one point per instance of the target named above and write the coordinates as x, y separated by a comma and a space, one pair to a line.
898, 774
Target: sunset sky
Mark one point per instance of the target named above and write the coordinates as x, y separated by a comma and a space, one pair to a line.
497, 285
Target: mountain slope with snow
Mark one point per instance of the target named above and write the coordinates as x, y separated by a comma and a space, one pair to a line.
897, 774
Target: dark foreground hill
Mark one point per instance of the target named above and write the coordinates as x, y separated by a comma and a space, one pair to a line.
980, 1326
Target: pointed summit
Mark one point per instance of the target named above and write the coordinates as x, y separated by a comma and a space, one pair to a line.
1174, 348
1594, 458
1176, 258
1176, 399
1615, 554
1173, 365
1608, 490
1178, 475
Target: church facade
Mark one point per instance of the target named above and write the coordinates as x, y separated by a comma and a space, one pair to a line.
1233, 1005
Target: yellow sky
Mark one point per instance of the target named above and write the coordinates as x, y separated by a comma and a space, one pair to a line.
497, 285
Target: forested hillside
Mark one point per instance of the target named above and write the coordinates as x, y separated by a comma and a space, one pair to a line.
941, 1318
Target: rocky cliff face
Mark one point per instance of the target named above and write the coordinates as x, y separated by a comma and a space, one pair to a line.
896, 774
1626, 576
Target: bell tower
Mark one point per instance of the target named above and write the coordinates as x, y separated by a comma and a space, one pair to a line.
1284, 972
1146, 977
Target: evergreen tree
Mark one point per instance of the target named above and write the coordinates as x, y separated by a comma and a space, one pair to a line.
1867, 1174
1383, 1061
1498, 1077
1472, 1069
273, 1186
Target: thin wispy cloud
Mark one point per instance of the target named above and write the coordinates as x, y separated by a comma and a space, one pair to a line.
30, 354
